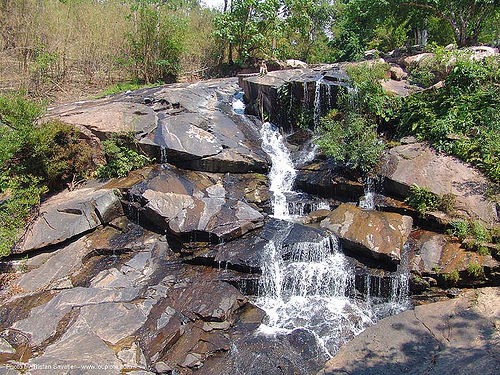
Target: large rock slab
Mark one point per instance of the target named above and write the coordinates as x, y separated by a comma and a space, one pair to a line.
192, 125
248, 253
327, 180
407, 165
130, 305
194, 206
436, 254
458, 336
68, 215
379, 235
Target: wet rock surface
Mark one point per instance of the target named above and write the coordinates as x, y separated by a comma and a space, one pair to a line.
191, 125
325, 179
129, 304
458, 336
380, 235
195, 206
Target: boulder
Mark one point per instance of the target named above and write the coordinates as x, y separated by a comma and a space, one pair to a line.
193, 206
70, 214
481, 52
379, 235
291, 63
397, 73
420, 60
444, 338
399, 88
434, 254
191, 125
325, 179
419, 164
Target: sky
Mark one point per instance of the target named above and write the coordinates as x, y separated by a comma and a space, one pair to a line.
213, 3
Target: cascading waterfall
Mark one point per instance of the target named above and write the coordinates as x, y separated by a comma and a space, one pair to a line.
317, 103
367, 202
282, 174
312, 285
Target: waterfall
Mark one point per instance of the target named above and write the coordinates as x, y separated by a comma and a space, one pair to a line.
314, 286
367, 202
282, 174
317, 103
311, 290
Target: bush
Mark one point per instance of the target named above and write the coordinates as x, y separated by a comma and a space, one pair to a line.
121, 158
352, 140
459, 229
475, 270
423, 200
452, 277
466, 108
34, 159
349, 135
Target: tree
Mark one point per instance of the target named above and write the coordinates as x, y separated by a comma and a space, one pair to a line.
467, 18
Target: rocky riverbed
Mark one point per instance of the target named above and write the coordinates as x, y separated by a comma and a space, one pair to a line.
245, 251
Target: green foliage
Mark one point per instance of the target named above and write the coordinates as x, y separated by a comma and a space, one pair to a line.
447, 204
479, 232
352, 140
422, 76
126, 86
275, 29
422, 199
461, 118
21, 194
459, 229
349, 134
475, 270
368, 97
156, 44
452, 277
33, 159
121, 158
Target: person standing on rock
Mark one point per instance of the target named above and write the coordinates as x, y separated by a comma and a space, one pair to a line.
263, 68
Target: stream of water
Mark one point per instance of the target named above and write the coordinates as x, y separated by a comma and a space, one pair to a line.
314, 287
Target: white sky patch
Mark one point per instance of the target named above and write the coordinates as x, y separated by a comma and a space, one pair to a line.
218, 4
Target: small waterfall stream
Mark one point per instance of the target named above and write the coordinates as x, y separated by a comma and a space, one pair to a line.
314, 287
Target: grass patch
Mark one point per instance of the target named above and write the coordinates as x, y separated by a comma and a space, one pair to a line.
126, 86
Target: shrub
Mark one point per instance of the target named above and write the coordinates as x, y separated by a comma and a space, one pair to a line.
480, 232
466, 107
422, 199
475, 270
459, 229
121, 158
452, 277
351, 140
34, 159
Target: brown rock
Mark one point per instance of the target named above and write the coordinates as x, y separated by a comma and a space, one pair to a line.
444, 338
69, 214
380, 235
419, 164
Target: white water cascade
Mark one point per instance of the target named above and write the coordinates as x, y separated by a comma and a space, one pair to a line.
282, 174
314, 286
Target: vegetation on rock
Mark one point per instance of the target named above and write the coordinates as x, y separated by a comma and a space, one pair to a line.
37, 158
120, 157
